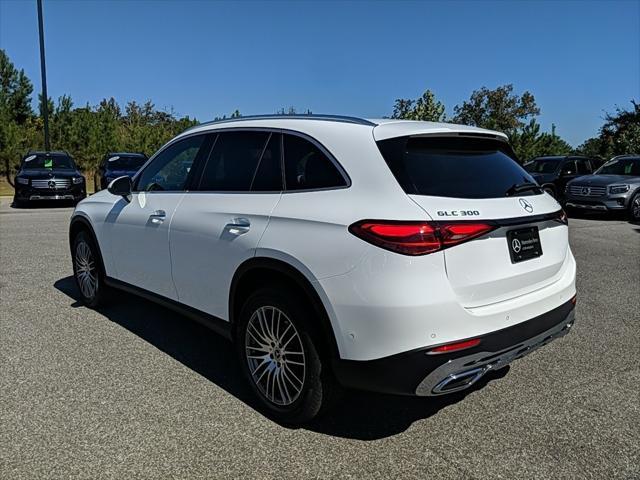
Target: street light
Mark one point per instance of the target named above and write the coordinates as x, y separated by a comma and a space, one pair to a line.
45, 98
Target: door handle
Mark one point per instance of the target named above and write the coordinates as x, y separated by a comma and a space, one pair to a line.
157, 216
238, 226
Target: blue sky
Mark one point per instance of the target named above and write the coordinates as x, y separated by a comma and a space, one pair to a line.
204, 58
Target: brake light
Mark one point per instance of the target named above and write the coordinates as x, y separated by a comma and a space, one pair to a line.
417, 238
454, 347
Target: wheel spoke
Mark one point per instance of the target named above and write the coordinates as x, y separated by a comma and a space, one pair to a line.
268, 334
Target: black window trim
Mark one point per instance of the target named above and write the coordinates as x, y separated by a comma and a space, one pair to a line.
189, 180
326, 152
272, 130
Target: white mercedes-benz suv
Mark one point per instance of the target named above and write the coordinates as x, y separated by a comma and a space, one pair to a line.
394, 256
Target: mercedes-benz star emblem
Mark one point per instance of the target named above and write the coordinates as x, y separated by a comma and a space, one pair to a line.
516, 245
52, 184
526, 205
585, 190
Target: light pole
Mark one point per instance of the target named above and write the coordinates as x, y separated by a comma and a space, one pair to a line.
43, 68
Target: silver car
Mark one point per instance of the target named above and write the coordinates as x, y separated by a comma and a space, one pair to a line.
613, 187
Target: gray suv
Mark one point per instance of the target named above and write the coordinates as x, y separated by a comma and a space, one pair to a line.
614, 186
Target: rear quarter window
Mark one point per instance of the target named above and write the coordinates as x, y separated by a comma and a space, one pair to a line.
453, 166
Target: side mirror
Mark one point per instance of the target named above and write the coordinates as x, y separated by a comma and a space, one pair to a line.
121, 186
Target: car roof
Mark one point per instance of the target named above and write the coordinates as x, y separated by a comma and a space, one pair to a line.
55, 153
125, 154
383, 128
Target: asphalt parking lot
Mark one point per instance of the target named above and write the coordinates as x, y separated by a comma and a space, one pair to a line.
136, 391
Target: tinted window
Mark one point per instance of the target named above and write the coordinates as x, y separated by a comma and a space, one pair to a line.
622, 166
569, 167
233, 161
48, 161
268, 176
582, 167
307, 167
453, 167
122, 162
170, 169
540, 165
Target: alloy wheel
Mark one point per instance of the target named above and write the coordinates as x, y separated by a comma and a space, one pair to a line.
635, 208
275, 355
86, 271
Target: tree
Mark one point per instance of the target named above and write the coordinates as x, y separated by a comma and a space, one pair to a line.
498, 109
529, 142
425, 108
15, 92
620, 134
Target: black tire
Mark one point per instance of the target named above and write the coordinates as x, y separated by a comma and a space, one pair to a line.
317, 390
18, 203
634, 207
87, 261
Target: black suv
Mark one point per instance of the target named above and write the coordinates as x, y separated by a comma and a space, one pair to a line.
48, 176
119, 164
553, 173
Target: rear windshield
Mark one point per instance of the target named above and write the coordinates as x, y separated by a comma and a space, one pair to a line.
454, 166
48, 161
546, 165
121, 162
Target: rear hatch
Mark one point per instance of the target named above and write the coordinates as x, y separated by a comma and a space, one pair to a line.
475, 179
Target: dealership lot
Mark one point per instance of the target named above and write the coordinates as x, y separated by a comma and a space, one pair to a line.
136, 391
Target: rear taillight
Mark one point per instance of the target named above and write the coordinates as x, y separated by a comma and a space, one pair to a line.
417, 238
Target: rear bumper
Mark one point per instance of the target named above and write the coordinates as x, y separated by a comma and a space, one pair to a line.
418, 373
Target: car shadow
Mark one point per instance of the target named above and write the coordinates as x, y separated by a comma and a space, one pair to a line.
53, 204
595, 215
358, 415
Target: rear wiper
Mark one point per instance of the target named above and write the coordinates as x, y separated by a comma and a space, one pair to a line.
522, 187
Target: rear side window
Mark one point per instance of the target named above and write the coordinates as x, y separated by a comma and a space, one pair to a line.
268, 175
233, 161
307, 167
453, 166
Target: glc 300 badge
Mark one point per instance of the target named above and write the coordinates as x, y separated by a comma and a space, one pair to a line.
526, 205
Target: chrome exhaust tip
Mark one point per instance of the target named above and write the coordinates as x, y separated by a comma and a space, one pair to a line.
459, 381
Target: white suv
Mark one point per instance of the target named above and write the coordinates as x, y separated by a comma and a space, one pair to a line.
396, 256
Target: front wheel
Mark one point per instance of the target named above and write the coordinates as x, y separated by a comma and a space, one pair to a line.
280, 358
634, 208
87, 270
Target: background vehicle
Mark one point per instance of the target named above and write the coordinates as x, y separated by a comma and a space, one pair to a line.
553, 172
613, 187
396, 256
48, 176
118, 164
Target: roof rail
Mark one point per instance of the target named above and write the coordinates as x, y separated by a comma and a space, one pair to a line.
309, 116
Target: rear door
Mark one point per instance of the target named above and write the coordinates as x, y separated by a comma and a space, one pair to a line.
461, 179
218, 225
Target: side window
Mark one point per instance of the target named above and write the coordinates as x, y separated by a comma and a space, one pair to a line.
569, 167
168, 172
306, 167
583, 167
232, 164
268, 176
